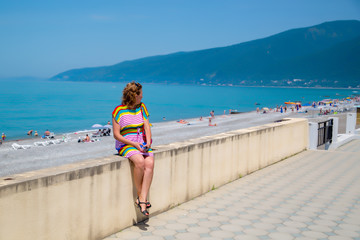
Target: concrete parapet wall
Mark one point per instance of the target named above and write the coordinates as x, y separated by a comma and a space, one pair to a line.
93, 199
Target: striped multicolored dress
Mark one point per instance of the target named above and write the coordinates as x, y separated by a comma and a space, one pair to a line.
131, 123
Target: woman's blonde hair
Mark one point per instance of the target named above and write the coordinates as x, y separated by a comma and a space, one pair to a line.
131, 90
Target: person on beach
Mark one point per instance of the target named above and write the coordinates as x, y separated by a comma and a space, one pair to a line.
132, 133
30, 132
87, 138
36, 134
211, 125
182, 121
3, 136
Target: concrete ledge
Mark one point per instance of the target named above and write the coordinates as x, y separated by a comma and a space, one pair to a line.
343, 139
93, 199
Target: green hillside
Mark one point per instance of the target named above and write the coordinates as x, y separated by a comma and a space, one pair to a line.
323, 55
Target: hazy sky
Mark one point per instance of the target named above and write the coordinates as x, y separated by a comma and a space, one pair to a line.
43, 38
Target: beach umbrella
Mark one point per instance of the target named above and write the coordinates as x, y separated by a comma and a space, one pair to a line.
266, 109
107, 126
97, 126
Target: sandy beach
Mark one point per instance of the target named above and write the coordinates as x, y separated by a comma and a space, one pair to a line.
39, 157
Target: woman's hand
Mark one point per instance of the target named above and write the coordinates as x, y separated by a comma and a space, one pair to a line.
138, 147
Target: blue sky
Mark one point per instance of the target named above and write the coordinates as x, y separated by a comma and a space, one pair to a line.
43, 38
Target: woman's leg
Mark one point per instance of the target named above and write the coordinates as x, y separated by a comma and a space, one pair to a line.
139, 167
147, 179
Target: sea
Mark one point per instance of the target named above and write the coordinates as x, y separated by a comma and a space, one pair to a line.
64, 107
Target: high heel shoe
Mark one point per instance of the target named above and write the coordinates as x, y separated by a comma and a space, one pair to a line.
138, 203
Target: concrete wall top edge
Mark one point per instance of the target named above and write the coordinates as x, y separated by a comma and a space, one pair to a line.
86, 168
50, 176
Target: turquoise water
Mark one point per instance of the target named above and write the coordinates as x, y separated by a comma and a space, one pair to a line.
71, 106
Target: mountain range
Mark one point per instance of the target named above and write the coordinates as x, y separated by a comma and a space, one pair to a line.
324, 55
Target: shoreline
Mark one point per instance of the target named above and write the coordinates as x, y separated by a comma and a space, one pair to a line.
39, 138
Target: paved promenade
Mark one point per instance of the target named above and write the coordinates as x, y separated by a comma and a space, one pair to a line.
313, 195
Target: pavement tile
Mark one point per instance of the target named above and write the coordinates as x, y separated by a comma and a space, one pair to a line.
151, 238
177, 212
255, 231
164, 232
340, 238
216, 205
231, 228
278, 215
207, 210
300, 218
176, 226
246, 237
295, 224
288, 230
351, 220
264, 226
241, 222
198, 230
187, 236
211, 238
328, 223
209, 224
228, 213
314, 234
347, 233
166, 216
156, 222
141, 228
329, 217
280, 236
219, 218
271, 220
350, 227
307, 214
256, 212
248, 216
285, 210
197, 215
222, 234
128, 235
319, 228
188, 220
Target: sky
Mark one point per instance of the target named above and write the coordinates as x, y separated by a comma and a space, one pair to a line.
44, 38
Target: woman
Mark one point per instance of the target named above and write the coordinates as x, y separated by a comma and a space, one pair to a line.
133, 140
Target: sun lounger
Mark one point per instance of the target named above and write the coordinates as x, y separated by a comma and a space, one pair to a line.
97, 134
57, 141
41, 143
16, 146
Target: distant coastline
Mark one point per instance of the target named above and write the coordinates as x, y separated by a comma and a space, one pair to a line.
210, 85
30, 78
324, 55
